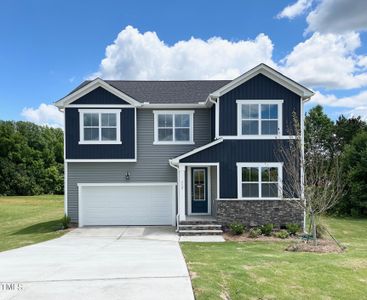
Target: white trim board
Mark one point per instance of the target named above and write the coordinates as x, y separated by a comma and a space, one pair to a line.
96, 83
270, 73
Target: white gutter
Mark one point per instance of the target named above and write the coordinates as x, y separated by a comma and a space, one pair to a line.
172, 164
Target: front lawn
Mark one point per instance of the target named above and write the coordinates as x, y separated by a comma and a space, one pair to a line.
29, 220
263, 270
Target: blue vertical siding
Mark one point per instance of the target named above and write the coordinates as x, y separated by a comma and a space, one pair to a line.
212, 122
100, 96
74, 150
259, 87
229, 152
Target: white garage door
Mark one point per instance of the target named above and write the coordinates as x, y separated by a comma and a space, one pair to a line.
127, 204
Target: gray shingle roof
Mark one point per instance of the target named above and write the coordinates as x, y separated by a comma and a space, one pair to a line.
191, 91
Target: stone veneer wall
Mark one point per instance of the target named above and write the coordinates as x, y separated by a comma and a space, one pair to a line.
253, 213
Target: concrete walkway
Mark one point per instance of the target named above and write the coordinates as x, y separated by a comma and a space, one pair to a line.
98, 263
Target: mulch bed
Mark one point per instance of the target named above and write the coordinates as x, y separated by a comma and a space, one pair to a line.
245, 238
296, 244
323, 246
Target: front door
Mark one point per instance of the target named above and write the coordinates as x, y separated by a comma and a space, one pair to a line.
199, 197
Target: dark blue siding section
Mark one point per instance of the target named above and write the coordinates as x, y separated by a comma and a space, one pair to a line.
100, 96
126, 150
229, 152
259, 87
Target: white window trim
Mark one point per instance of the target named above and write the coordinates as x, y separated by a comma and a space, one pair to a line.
173, 112
241, 165
259, 136
99, 111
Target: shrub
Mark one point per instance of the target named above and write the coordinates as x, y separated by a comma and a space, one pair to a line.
293, 228
254, 233
282, 234
236, 228
65, 222
266, 229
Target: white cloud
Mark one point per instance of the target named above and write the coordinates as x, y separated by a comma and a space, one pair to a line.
358, 111
338, 16
135, 55
45, 114
328, 61
296, 9
356, 104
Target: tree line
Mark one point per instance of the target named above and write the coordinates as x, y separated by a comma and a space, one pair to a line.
343, 141
31, 157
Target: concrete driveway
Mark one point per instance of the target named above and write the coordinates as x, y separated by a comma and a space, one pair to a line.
98, 263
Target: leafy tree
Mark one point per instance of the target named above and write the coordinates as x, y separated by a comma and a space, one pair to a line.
354, 162
345, 130
319, 131
31, 159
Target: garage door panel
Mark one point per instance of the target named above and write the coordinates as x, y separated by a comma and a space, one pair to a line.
127, 205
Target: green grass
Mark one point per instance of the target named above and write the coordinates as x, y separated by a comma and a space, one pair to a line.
28, 220
263, 270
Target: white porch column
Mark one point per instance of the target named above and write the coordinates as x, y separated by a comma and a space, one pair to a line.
181, 188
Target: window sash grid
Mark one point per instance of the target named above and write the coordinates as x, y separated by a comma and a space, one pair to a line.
100, 127
174, 127
259, 119
259, 182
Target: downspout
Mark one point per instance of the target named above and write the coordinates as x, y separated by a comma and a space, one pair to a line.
216, 121
170, 161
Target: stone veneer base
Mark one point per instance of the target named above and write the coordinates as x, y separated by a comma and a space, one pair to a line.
253, 213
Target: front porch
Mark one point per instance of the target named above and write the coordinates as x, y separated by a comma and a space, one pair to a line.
197, 191
197, 195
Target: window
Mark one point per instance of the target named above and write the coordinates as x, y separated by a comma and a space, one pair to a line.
259, 180
99, 126
259, 117
173, 127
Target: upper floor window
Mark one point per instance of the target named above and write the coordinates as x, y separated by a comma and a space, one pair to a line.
259, 117
259, 180
173, 127
99, 126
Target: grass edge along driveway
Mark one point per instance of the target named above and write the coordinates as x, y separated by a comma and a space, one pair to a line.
27, 220
263, 270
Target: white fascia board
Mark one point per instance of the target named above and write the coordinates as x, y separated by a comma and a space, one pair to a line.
177, 159
98, 82
272, 74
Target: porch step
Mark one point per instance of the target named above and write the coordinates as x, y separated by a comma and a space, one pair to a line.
200, 232
199, 222
200, 227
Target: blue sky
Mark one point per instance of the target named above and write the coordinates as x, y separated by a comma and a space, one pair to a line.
49, 47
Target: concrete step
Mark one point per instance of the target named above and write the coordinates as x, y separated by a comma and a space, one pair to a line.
201, 227
199, 232
199, 222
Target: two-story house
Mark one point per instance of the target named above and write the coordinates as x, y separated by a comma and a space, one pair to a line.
158, 152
